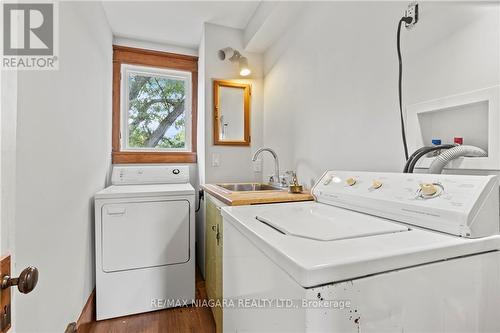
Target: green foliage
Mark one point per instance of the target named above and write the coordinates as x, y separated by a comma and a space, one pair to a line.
156, 112
178, 140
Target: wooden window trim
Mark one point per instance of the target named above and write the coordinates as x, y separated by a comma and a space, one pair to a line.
135, 56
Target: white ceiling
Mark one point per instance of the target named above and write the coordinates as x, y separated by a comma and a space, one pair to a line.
174, 22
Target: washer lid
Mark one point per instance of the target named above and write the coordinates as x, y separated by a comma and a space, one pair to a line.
314, 262
154, 190
325, 223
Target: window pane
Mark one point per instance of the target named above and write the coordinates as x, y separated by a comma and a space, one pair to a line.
156, 114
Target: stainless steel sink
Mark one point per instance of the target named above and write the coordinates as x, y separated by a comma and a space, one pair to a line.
245, 187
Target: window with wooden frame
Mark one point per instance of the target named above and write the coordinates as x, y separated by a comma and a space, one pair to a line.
154, 106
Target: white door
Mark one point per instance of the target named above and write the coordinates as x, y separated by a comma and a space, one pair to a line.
144, 234
8, 108
29, 277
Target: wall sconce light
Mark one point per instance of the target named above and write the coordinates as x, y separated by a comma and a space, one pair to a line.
235, 56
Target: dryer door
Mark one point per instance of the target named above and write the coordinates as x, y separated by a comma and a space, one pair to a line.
144, 234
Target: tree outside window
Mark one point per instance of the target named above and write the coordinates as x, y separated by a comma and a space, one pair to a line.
156, 110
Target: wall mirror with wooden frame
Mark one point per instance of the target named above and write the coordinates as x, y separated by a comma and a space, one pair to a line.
231, 113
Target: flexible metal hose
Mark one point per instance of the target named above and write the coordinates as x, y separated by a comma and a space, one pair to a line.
412, 156
449, 155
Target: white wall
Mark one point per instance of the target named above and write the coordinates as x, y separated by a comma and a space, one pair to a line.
455, 49
63, 156
330, 96
235, 161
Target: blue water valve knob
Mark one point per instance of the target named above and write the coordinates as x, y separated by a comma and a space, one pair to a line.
436, 142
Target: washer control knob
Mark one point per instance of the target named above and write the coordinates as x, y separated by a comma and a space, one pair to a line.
376, 184
428, 189
350, 181
176, 171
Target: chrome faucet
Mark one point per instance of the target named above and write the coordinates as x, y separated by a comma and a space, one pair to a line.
275, 179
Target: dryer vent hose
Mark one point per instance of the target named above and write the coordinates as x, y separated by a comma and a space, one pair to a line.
449, 155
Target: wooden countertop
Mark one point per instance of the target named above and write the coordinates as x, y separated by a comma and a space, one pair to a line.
233, 198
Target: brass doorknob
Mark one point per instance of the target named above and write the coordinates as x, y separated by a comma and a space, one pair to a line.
26, 281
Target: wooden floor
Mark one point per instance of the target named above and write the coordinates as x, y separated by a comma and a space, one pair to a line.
185, 319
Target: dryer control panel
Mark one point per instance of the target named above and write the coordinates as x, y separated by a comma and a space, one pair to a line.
149, 174
461, 205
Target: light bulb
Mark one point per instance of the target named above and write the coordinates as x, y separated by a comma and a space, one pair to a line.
244, 70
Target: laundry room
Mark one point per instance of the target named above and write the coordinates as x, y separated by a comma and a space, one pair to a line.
249, 166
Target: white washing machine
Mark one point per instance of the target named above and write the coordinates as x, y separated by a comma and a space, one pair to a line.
144, 240
376, 252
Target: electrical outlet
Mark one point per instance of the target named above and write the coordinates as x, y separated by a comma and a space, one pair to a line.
412, 11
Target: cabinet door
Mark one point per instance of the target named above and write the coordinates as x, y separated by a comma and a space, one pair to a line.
210, 247
218, 271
